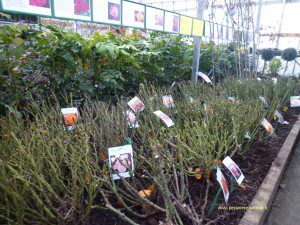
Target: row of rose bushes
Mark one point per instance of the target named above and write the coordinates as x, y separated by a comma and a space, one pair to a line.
54, 176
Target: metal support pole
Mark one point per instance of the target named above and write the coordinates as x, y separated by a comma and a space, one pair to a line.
197, 42
256, 38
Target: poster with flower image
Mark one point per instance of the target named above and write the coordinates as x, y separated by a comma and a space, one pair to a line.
121, 161
73, 9
107, 11
171, 22
39, 7
155, 19
133, 14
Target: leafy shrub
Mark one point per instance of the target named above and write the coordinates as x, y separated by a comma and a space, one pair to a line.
289, 54
267, 54
274, 65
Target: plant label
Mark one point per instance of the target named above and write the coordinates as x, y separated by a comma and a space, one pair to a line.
247, 135
222, 181
132, 122
165, 118
280, 117
168, 101
70, 117
295, 101
136, 104
204, 77
265, 123
192, 100
234, 169
274, 80
232, 99
173, 84
258, 78
264, 101
121, 161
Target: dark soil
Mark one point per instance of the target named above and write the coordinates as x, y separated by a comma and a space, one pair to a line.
255, 165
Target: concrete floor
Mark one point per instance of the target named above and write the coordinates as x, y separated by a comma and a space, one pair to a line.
285, 209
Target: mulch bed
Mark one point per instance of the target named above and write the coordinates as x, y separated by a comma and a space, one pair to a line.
255, 165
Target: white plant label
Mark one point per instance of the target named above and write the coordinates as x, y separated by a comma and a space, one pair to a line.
234, 169
167, 120
136, 104
222, 181
204, 77
121, 161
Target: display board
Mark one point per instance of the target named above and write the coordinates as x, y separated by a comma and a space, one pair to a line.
107, 11
133, 15
198, 27
73, 9
36, 7
115, 12
154, 18
172, 21
186, 25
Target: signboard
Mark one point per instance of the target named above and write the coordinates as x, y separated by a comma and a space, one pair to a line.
172, 22
38, 7
186, 25
107, 11
119, 12
73, 9
133, 15
198, 27
154, 19
207, 29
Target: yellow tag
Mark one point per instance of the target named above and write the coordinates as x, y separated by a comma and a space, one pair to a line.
285, 108
275, 117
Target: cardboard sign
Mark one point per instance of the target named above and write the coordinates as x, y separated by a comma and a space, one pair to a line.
28, 6
265, 123
204, 77
73, 9
295, 101
132, 122
120, 161
264, 101
234, 169
222, 181
136, 104
165, 118
168, 101
70, 117
107, 11
280, 118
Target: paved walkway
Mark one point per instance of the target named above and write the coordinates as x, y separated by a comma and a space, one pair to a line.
286, 206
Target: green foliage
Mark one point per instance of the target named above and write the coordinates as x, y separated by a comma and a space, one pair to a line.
274, 65
267, 54
56, 63
289, 54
